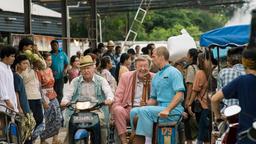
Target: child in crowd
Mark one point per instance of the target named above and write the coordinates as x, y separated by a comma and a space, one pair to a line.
105, 67
74, 71
52, 113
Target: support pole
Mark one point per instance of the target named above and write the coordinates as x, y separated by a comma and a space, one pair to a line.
27, 17
93, 25
65, 28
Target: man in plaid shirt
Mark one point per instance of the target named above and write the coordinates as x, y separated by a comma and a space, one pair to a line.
234, 70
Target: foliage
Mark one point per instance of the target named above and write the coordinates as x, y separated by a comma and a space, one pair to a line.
78, 28
159, 24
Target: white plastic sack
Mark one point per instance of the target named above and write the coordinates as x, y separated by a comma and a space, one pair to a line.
178, 46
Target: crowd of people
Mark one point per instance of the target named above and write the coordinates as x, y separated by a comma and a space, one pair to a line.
138, 86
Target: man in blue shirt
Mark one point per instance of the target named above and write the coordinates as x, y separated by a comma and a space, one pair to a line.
243, 89
59, 68
165, 100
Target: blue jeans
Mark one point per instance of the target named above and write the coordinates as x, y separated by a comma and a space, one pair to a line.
204, 126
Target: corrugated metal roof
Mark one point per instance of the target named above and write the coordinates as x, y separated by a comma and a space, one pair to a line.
14, 23
18, 7
109, 6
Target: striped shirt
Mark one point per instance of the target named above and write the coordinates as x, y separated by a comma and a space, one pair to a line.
225, 76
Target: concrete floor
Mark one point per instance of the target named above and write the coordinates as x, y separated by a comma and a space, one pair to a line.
61, 136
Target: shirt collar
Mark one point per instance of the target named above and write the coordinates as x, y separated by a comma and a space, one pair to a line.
59, 50
5, 65
93, 79
166, 66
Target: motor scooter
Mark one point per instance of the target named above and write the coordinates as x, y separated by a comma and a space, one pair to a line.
250, 133
84, 124
9, 130
231, 114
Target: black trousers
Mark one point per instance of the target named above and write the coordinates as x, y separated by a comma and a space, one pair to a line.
36, 108
58, 87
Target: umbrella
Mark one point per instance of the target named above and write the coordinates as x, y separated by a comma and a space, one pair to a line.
227, 36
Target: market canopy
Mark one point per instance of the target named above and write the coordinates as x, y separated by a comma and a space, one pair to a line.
112, 6
226, 36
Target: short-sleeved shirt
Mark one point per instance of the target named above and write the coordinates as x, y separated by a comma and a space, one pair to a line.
165, 84
190, 74
32, 84
7, 91
200, 85
59, 60
243, 89
20, 89
225, 76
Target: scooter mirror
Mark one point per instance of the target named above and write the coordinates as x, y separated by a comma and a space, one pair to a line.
231, 113
252, 132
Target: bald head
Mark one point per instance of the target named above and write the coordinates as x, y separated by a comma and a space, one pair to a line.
162, 51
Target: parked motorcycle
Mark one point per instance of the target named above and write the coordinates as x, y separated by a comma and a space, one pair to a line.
229, 136
84, 125
250, 133
9, 131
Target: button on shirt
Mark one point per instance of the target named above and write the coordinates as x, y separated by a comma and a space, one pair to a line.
87, 89
165, 84
138, 93
7, 91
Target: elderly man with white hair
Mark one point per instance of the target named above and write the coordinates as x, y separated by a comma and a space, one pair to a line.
91, 85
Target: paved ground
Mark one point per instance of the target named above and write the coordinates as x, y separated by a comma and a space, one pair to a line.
61, 136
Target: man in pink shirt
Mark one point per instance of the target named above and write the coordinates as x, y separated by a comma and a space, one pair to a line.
129, 94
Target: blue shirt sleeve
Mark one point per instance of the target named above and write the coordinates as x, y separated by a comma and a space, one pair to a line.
153, 89
17, 83
177, 81
230, 90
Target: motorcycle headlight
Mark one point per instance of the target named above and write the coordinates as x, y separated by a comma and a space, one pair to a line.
83, 105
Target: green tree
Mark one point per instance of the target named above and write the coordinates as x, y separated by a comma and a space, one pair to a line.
158, 24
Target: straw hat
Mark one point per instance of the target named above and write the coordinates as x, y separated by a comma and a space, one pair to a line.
110, 44
86, 61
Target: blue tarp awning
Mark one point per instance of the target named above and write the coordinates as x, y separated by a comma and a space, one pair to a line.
226, 36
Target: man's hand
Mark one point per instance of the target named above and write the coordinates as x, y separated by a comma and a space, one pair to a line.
108, 102
191, 112
64, 104
142, 103
164, 113
185, 115
151, 102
